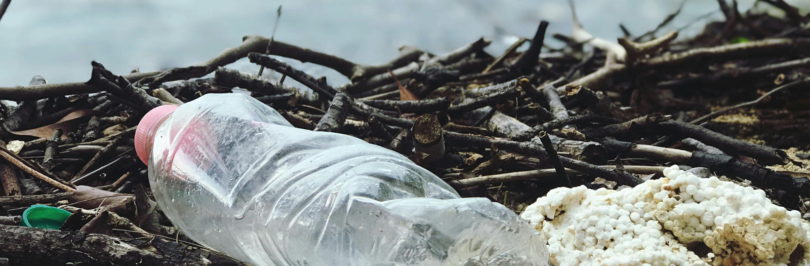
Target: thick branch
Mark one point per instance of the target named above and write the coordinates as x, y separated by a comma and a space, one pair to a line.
640, 50
378, 80
500, 87
791, 11
555, 105
543, 174
427, 138
701, 146
624, 127
336, 115
249, 44
349, 69
235, 78
34, 199
50, 151
740, 73
469, 104
324, 90
289, 99
767, 47
509, 51
10, 180
165, 96
587, 151
34, 246
578, 119
599, 78
418, 106
764, 154
121, 87
462, 140
529, 58
555, 159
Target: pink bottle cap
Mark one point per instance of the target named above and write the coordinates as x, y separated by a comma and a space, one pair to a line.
147, 124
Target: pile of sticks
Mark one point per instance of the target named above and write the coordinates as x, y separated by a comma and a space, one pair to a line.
509, 127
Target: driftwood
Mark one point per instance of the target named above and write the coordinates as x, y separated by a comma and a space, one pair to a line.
33, 246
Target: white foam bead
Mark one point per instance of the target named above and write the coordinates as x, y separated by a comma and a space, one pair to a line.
628, 207
692, 179
719, 221
707, 219
615, 234
624, 219
699, 196
693, 222
593, 220
700, 228
614, 214
622, 228
689, 200
691, 189
669, 170
638, 229
635, 217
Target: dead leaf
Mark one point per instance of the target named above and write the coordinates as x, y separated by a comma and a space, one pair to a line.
146, 216
115, 129
86, 197
76, 221
404, 94
66, 124
101, 224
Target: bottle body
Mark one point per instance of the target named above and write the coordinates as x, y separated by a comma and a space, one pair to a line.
234, 175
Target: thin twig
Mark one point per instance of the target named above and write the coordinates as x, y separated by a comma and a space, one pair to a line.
272, 37
726, 109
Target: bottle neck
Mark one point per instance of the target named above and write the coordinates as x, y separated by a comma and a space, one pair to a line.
150, 136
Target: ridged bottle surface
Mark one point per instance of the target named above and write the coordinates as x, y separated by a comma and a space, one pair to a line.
235, 176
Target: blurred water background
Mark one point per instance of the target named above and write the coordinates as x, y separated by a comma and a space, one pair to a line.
57, 39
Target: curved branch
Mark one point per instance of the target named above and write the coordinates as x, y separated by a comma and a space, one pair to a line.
249, 44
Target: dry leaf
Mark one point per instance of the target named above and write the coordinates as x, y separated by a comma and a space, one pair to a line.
90, 198
404, 94
66, 124
101, 224
146, 216
76, 221
115, 129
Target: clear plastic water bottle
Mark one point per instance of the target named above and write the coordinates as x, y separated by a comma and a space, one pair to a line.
235, 176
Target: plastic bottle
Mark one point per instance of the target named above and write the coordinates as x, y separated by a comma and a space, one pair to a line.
235, 176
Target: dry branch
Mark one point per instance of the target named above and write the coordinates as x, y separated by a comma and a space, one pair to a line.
767, 47
542, 175
418, 106
336, 115
326, 92
34, 246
